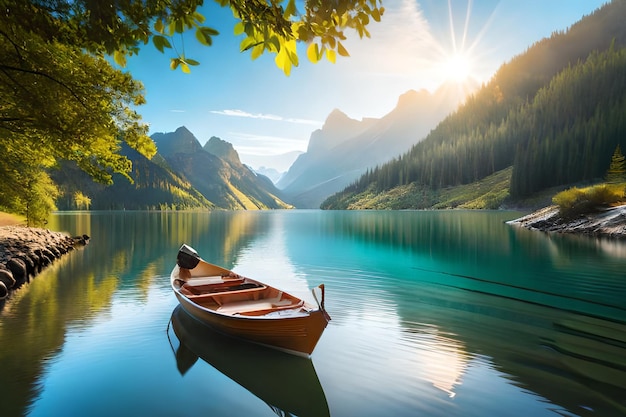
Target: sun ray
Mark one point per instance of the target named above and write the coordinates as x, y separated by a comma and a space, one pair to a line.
468, 14
451, 22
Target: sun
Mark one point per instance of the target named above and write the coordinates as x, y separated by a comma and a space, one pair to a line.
457, 67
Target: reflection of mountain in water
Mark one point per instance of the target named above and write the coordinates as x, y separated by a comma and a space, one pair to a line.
287, 383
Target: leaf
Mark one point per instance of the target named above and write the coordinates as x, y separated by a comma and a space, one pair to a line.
291, 48
159, 26
282, 61
171, 28
120, 58
341, 50
376, 15
210, 31
248, 43
249, 29
161, 42
179, 26
313, 52
198, 17
257, 51
185, 68
238, 29
290, 10
191, 61
203, 34
331, 55
273, 44
174, 62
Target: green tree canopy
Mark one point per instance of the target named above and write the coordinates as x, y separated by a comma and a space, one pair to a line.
617, 169
119, 28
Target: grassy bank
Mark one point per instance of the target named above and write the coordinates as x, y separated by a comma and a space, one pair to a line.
8, 219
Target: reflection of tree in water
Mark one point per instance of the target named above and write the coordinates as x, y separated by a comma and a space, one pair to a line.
128, 251
34, 322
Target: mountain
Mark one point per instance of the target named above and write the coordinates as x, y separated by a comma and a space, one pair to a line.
270, 173
182, 175
280, 162
222, 149
225, 182
155, 186
343, 149
553, 114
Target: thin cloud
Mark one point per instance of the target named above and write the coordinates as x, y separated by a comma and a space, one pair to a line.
263, 116
177, 111
254, 144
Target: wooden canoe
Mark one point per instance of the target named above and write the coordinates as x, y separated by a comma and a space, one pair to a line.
246, 308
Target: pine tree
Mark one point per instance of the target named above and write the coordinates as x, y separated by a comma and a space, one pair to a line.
617, 170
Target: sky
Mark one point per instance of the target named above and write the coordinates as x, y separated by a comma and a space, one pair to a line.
417, 45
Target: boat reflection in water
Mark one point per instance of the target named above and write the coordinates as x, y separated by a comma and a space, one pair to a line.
288, 384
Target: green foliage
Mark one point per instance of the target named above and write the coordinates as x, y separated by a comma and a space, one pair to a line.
40, 193
26, 188
489, 193
573, 125
576, 201
120, 28
59, 103
270, 27
617, 169
81, 201
32, 194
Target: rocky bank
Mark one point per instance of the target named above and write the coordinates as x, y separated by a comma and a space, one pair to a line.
610, 222
25, 251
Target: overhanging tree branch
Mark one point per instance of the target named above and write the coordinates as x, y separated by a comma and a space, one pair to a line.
43, 74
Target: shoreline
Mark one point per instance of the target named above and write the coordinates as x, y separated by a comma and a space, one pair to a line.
26, 251
610, 222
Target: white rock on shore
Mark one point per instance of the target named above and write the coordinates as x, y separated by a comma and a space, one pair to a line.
610, 222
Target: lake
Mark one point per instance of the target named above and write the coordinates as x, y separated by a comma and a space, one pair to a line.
447, 313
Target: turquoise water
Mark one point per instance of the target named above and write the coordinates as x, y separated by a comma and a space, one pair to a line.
447, 313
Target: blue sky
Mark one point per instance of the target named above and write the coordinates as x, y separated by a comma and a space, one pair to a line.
258, 109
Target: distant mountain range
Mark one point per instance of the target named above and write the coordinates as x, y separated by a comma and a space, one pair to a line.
183, 175
344, 149
279, 163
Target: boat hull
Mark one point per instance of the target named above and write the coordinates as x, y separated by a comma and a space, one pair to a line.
297, 335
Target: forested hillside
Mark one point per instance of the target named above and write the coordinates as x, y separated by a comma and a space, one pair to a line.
181, 176
155, 187
554, 113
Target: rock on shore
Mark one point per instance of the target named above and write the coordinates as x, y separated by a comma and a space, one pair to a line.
610, 222
25, 251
